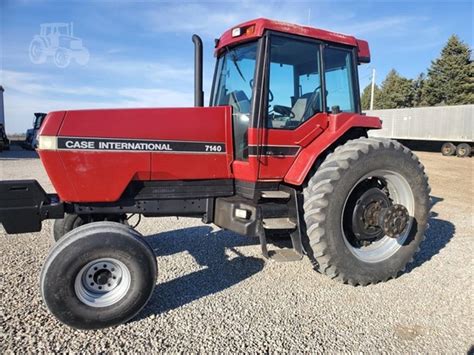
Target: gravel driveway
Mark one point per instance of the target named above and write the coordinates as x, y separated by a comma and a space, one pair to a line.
216, 293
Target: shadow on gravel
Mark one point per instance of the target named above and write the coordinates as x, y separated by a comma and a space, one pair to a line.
208, 249
438, 236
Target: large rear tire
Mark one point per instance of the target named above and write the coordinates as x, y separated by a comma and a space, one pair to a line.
100, 275
357, 170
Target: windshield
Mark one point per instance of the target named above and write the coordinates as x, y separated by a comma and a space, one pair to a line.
233, 86
234, 78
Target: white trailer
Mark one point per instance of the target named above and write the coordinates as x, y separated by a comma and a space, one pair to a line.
450, 125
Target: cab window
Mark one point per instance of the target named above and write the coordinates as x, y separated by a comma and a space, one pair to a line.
294, 94
338, 73
234, 87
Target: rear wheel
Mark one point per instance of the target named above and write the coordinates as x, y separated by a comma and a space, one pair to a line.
448, 149
72, 221
101, 275
463, 150
366, 211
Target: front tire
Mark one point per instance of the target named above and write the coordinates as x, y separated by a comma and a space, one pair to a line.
102, 274
71, 221
62, 58
385, 169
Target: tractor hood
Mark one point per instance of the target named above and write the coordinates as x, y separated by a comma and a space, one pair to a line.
92, 155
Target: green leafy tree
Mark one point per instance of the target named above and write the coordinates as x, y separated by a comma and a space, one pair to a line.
450, 79
365, 98
396, 92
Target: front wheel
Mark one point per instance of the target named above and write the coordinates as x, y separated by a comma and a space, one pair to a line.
366, 210
71, 221
101, 275
62, 58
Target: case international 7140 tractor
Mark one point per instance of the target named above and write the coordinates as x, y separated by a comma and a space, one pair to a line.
282, 148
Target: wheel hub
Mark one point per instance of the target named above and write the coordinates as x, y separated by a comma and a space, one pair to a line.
393, 220
375, 216
366, 214
102, 276
102, 282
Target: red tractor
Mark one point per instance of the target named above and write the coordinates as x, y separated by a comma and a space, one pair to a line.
282, 149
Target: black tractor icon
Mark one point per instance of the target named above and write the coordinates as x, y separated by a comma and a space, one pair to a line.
57, 40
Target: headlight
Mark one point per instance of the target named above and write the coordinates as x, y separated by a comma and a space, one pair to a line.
47, 143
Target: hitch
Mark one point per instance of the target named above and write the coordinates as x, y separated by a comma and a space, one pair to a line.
24, 205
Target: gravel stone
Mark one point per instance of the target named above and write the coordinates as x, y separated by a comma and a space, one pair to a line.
216, 293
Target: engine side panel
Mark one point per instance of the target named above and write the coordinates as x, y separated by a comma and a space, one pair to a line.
100, 151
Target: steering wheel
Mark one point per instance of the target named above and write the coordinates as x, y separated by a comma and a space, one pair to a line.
270, 94
284, 111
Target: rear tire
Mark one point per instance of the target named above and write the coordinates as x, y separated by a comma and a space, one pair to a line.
463, 150
326, 199
102, 274
448, 149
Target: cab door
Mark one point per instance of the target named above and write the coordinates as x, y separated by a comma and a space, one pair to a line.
293, 112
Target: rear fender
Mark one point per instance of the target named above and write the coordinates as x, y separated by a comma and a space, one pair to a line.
339, 124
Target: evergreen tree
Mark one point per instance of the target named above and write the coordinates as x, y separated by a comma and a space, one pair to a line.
365, 98
450, 78
418, 85
396, 92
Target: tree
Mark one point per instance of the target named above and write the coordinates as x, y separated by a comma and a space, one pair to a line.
450, 78
418, 85
365, 98
396, 92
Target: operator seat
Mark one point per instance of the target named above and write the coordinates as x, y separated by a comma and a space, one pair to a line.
305, 107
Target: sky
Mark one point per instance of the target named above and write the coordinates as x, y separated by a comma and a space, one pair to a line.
141, 54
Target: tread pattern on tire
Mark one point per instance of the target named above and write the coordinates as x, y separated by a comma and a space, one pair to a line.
318, 191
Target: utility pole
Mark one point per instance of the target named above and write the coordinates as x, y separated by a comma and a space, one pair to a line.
372, 90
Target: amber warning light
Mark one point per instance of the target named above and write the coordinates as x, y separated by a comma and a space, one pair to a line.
238, 31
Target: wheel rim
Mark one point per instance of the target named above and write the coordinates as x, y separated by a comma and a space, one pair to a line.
400, 192
102, 282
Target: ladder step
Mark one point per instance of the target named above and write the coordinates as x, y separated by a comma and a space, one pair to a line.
275, 194
278, 223
284, 255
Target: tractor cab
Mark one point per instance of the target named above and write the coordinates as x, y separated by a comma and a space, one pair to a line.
55, 29
282, 84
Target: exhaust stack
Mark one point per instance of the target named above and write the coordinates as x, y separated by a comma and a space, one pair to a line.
2, 110
198, 91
